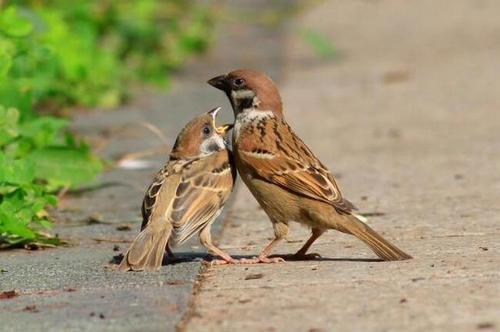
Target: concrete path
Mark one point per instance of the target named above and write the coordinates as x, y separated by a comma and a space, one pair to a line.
408, 118
71, 288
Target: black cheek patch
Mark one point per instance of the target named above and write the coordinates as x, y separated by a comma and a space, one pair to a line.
246, 103
213, 147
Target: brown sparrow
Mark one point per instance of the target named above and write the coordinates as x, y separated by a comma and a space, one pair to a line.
186, 196
285, 177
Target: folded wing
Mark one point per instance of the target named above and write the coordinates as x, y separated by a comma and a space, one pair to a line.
202, 191
291, 165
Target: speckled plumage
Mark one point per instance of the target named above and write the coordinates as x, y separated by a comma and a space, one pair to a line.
283, 174
185, 197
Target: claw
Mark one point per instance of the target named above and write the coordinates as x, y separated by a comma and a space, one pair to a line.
216, 262
265, 260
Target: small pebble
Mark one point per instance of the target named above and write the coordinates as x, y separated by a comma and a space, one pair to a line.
486, 325
254, 276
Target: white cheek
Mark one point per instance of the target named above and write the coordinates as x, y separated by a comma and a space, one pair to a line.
242, 94
220, 141
207, 147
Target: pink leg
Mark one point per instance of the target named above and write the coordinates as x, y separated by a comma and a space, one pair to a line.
302, 253
206, 240
280, 231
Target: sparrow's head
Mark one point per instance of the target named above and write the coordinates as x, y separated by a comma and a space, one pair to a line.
200, 137
249, 90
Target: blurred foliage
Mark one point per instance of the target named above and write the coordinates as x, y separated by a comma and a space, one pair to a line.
89, 52
58, 54
322, 46
37, 157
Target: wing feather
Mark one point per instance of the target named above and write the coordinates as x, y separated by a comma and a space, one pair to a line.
206, 187
291, 165
153, 193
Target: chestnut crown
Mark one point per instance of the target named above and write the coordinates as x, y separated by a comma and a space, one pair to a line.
249, 89
200, 137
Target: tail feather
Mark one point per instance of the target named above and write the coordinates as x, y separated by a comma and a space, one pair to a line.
383, 248
147, 250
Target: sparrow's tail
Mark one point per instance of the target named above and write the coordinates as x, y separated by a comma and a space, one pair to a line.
383, 248
147, 250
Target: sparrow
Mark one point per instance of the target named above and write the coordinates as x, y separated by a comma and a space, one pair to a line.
186, 195
283, 174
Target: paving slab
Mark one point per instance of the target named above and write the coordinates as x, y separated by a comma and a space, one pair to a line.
71, 288
407, 117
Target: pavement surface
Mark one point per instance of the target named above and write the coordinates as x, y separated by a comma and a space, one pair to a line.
73, 288
407, 118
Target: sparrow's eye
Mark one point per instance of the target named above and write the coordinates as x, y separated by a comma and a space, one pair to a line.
239, 82
207, 130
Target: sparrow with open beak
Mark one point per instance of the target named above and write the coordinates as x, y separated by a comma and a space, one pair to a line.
285, 177
186, 196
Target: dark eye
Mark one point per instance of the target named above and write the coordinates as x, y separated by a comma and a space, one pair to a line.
239, 82
206, 130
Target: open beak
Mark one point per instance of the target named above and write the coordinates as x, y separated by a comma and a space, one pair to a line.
219, 82
214, 112
222, 130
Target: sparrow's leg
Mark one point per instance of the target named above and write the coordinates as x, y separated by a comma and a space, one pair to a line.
302, 253
170, 253
206, 241
280, 231
170, 256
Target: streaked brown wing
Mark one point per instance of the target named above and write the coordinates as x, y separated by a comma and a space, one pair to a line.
164, 183
291, 165
151, 196
201, 194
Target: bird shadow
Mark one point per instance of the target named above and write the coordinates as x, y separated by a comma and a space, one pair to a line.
180, 257
186, 257
189, 257
292, 258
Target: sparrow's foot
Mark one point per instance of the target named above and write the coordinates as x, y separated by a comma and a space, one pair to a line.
265, 260
269, 260
224, 261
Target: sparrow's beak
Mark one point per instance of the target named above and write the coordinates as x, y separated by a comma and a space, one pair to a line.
214, 112
224, 129
219, 82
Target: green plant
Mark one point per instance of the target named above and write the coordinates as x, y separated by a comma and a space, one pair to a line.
89, 52
36, 158
56, 54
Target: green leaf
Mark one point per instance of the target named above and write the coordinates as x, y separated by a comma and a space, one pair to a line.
61, 166
45, 223
14, 25
16, 172
43, 131
5, 64
7, 189
8, 124
11, 223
